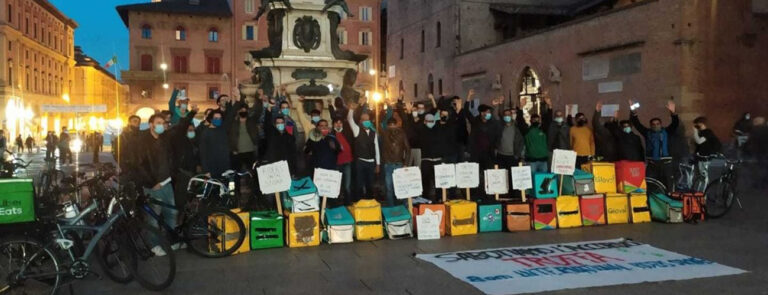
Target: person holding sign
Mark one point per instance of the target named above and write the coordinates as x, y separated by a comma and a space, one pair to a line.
582, 139
484, 136
394, 154
365, 147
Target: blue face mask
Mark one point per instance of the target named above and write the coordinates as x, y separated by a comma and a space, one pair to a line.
216, 122
183, 107
507, 119
159, 129
437, 117
627, 130
487, 116
190, 134
280, 127
430, 125
368, 124
315, 119
286, 112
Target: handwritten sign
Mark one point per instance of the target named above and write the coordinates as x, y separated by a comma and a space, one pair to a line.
496, 181
563, 162
274, 177
467, 175
571, 110
407, 182
428, 225
521, 178
445, 176
328, 182
609, 110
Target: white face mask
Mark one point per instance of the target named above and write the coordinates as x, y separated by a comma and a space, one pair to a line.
338, 129
558, 120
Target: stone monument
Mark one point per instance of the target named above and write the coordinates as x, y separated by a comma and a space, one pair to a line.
303, 52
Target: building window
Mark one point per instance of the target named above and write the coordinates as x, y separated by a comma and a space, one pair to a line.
431, 84
26, 81
212, 65
181, 33
10, 13
34, 30
10, 76
365, 66
146, 32
213, 92
180, 64
415, 90
213, 35
249, 32
365, 13
365, 38
422, 40
438, 34
146, 62
342, 36
26, 26
248, 6
402, 47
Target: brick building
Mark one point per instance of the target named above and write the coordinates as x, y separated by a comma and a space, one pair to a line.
37, 62
182, 44
94, 85
706, 55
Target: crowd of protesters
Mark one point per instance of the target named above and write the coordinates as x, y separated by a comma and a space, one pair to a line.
366, 143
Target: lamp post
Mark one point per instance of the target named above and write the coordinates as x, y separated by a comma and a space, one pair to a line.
164, 67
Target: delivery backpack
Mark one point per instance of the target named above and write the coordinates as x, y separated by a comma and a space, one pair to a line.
693, 205
665, 209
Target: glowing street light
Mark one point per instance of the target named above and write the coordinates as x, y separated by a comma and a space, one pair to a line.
372, 72
376, 97
330, 87
65, 97
163, 66
165, 86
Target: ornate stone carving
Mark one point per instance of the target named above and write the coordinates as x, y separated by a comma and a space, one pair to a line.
312, 89
275, 35
338, 53
306, 33
304, 74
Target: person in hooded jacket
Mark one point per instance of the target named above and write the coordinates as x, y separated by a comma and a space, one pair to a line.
322, 147
344, 136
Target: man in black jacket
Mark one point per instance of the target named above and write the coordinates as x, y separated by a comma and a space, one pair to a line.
605, 140
629, 146
185, 155
214, 145
244, 135
281, 146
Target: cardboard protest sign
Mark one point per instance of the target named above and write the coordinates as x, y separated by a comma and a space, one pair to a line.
445, 176
428, 225
521, 178
274, 178
407, 182
467, 175
328, 183
563, 162
496, 181
609, 110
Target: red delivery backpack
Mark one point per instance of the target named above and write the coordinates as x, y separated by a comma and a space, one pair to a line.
694, 205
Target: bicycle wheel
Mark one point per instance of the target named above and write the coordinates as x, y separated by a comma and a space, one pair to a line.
719, 196
214, 232
655, 186
41, 268
149, 256
114, 265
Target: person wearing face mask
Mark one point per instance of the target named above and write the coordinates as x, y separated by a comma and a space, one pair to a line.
413, 121
605, 140
394, 154
322, 147
629, 146
344, 158
707, 145
185, 155
558, 135
178, 105
244, 135
214, 146
582, 140
127, 152
365, 147
657, 144
535, 137
511, 143
156, 168
434, 138
484, 136
280, 145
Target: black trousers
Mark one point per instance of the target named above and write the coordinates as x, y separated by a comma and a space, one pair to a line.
661, 170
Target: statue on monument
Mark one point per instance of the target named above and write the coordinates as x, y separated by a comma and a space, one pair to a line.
265, 4
338, 53
342, 3
348, 92
262, 76
275, 36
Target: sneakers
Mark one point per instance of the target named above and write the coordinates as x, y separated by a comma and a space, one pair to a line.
158, 251
179, 245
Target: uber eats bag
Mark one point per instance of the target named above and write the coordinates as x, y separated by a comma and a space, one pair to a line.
17, 201
398, 221
665, 209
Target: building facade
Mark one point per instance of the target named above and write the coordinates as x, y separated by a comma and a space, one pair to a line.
179, 44
360, 33
37, 62
701, 54
96, 86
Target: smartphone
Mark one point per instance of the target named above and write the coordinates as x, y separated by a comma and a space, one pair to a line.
634, 106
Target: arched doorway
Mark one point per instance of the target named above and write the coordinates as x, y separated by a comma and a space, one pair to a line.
530, 90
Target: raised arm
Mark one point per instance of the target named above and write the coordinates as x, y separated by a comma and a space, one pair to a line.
672, 128
352, 125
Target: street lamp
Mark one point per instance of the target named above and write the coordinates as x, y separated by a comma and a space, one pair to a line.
163, 66
165, 86
372, 72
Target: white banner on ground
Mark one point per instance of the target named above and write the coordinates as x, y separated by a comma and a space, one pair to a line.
467, 175
407, 182
328, 183
496, 181
551, 267
275, 177
521, 178
445, 176
563, 162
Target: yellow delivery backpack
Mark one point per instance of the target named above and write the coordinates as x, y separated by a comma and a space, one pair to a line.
462, 217
368, 223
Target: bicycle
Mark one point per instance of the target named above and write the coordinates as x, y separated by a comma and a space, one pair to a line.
11, 168
32, 260
204, 222
721, 192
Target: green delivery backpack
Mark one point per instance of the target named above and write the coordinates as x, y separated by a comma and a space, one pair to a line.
665, 209
17, 201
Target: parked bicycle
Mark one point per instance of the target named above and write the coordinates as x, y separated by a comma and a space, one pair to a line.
721, 192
